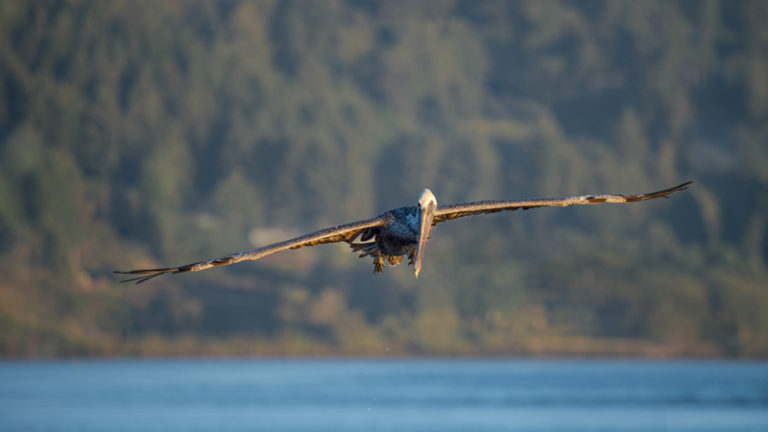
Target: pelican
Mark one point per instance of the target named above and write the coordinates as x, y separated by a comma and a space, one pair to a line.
397, 232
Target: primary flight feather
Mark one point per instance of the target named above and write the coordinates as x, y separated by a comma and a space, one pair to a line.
398, 232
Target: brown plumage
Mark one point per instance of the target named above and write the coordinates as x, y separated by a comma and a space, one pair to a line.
398, 232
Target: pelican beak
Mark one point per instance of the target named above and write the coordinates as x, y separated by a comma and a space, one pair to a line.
427, 207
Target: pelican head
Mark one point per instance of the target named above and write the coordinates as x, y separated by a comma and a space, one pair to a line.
427, 207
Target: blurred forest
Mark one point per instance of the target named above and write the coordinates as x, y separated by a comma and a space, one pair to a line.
142, 133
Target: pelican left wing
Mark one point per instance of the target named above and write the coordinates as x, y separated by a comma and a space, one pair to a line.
455, 211
347, 233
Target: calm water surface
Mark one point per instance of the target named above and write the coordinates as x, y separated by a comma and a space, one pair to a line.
383, 395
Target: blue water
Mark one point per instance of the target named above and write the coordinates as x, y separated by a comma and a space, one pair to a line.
383, 395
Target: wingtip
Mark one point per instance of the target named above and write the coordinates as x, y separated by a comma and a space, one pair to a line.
144, 275
665, 193
680, 187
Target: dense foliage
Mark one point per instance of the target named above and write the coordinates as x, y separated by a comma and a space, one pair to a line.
145, 133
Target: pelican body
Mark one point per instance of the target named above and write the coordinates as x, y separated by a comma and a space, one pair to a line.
398, 232
405, 233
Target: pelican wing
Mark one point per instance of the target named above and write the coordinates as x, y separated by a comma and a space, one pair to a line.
347, 233
455, 211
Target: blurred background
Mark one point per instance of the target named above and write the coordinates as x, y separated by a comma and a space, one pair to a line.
142, 134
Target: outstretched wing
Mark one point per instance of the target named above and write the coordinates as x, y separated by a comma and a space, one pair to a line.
347, 232
454, 211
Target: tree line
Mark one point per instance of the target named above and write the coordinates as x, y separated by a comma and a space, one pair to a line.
140, 134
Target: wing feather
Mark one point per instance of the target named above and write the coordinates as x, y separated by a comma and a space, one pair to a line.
347, 233
455, 211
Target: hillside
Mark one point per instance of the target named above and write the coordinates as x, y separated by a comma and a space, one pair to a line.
140, 134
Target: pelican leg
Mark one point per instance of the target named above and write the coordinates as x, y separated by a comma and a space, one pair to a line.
378, 262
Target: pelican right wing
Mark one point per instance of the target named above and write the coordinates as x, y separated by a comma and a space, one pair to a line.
347, 233
454, 211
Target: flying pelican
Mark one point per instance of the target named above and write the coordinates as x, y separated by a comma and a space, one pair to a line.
398, 232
